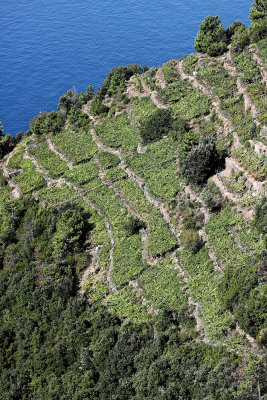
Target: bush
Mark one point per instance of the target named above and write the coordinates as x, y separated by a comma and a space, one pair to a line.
260, 219
201, 162
155, 126
258, 17
211, 37
97, 108
133, 225
7, 142
240, 40
191, 241
66, 101
258, 31
45, 122
231, 30
259, 11
115, 80
180, 127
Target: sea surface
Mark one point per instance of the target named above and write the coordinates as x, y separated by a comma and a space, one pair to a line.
49, 46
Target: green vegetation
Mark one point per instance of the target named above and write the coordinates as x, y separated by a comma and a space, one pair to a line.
118, 132
141, 109
48, 160
155, 126
160, 239
201, 162
45, 122
158, 169
260, 219
169, 72
255, 165
82, 174
211, 38
225, 231
78, 147
114, 83
29, 179
258, 18
126, 272
7, 142
214, 73
251, 76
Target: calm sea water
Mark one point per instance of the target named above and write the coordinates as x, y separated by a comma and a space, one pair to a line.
47, 46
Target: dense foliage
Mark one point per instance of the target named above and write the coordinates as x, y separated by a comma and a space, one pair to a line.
155, 126
132, 251
258, 17
7, 142
211, 37
116, 78
201, 162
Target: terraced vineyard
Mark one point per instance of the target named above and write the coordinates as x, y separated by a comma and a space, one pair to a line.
157, 240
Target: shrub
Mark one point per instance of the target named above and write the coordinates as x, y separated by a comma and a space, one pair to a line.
258, 31
231, 30
260, 219
133, 225
66, 101
258, 11
211, 37
258, 17
201, 162
45, 122
191, 241
7, 142
155, 126
180, 127
240, 40
97, 108
116, 78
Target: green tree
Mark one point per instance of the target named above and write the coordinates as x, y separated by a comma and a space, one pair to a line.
45, 123
211, 38
260, 219
258, 18
201, 162
7, 142
258, 11
156, 125
231, 29
240, 40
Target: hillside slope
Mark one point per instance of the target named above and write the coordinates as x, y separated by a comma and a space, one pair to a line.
144, 236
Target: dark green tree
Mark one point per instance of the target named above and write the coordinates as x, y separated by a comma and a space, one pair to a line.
240, 40
211, 38
258, 18
231, 30
45, 123
116, 78
7, 142
156, 125
258, 11
260, 219
201, 162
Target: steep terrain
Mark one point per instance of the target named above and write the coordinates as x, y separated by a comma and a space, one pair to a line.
157, 240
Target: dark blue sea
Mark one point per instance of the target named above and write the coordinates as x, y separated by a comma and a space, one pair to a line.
48, 46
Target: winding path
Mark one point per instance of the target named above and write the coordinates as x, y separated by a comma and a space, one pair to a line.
154, 95
51, 147
230, 68
137, 179
61, 181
